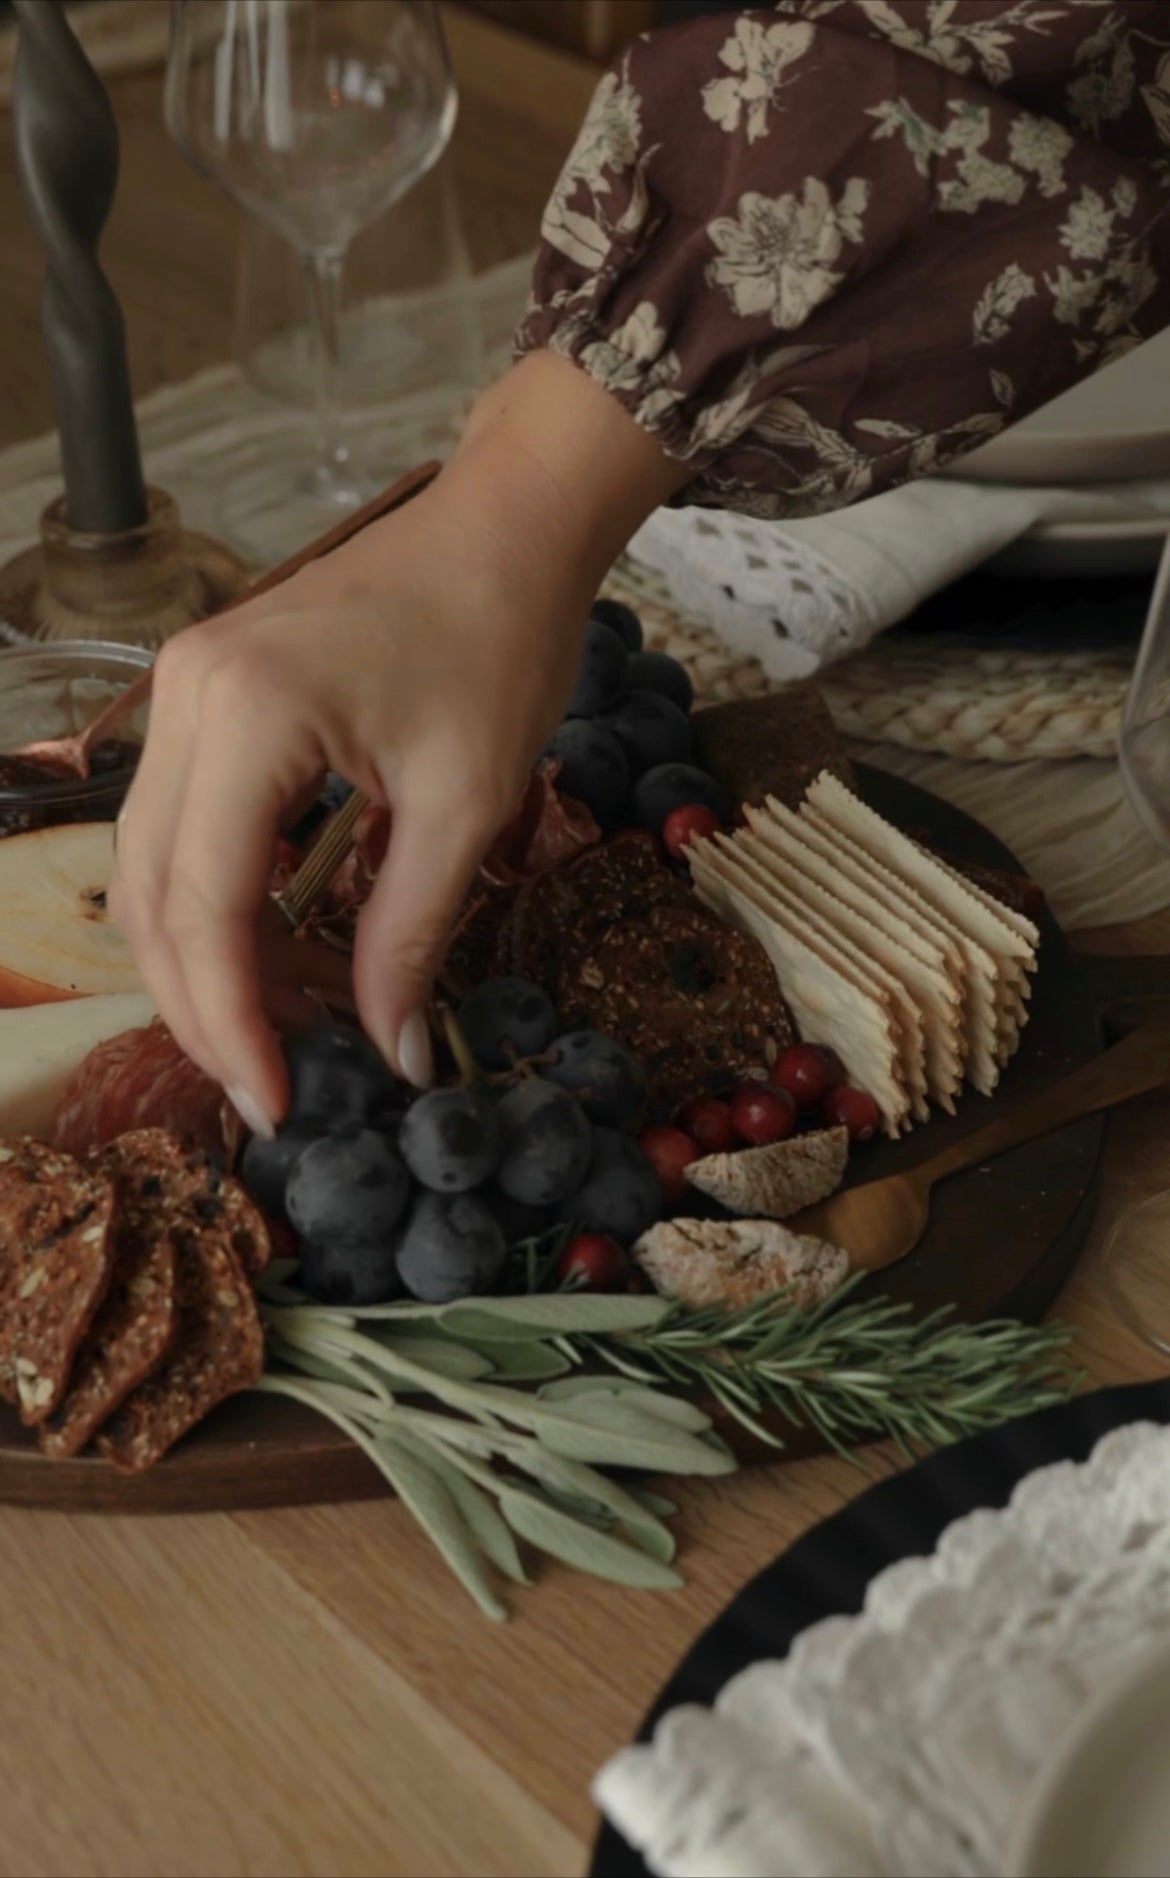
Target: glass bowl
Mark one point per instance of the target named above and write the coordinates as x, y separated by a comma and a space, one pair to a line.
55, 690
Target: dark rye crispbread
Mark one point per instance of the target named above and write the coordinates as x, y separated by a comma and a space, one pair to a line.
56, 1261
219, 1345
697, 1002
773, 745
191, 1189
133, 1331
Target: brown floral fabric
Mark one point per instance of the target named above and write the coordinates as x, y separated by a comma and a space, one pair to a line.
823, 247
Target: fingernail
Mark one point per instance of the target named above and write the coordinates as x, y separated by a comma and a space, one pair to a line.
415, 1058
250, 1113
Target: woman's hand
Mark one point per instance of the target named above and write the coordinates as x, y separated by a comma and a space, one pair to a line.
428, 662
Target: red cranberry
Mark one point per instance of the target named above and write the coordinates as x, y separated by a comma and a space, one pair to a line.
852, 1109
808, 1071
594, 1262
708, 1121
761, 1115
669, 1151
682, 826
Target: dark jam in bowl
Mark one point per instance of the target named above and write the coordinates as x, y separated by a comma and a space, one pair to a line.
40, 795
51, 692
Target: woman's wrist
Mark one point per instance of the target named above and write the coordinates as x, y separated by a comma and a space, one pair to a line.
549, 457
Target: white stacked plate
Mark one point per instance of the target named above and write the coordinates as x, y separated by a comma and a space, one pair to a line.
1110, 431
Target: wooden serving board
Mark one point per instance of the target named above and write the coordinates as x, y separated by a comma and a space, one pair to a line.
1001, 1239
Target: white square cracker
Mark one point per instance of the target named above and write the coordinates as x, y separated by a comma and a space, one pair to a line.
831, 921
822, 993
977, 969
910, 950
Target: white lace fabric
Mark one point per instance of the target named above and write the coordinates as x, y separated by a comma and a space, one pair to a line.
800, 595
902, 1741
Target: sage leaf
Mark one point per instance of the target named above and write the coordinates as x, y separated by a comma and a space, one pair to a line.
486, 1525
603, 1391
567, 1314
629, 1438
528, 1361
421, 1490
591, 1489
597, 1552
444, 1358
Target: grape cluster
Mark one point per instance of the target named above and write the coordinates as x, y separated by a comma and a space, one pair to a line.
425, 1197
626, 746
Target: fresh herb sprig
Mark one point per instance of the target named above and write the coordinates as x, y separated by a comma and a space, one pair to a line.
538, 1394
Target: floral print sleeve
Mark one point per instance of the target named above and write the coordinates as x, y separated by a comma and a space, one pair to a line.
823, 247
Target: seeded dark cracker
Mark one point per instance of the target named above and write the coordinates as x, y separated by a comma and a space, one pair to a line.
218, 1351
696, 1001
479, 945
192, 1189
558, 918
56, 1260
133, 1331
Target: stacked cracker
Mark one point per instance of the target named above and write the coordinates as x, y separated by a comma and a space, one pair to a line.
913, 974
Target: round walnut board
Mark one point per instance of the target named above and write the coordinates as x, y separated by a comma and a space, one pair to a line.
1001, 1238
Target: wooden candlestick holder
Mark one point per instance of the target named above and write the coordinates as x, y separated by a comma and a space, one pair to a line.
136, 586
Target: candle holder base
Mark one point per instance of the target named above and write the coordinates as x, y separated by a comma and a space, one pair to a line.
134, 588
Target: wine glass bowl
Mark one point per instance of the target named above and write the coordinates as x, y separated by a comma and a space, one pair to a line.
316, 117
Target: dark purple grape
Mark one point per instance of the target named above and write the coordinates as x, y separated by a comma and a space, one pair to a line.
450, 1139
547, 1144
350, 1274
337, 1077
347, 1190
674, 786
601, 1074
451, 1248
266, 1164
651, 731
504, 1019
657, 671
603, 675
622, 620
620, 1194
594, 769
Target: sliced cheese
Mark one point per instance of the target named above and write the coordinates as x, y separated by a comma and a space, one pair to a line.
42, 1044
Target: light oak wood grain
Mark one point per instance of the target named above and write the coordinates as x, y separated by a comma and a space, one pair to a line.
307, 1692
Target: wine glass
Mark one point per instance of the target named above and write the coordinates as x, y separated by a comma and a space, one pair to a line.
316, 116
1137, 1254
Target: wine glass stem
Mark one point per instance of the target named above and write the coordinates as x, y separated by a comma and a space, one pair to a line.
323, 280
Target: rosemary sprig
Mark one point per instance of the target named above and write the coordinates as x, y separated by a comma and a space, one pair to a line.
538, 1394
854, 1369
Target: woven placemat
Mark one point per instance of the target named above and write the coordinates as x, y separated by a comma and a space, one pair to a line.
977, 703
117, 36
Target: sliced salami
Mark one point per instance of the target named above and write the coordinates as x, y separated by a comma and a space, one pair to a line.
137, 1080
56, 1261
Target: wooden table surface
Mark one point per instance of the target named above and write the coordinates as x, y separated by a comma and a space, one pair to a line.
308, 1691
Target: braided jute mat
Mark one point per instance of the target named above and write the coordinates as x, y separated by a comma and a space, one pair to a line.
1024, 741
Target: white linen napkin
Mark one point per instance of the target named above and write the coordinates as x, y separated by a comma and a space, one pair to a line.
904, 1740
799, 595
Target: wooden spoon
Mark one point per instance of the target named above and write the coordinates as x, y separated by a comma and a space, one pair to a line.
880, 1222
70, 756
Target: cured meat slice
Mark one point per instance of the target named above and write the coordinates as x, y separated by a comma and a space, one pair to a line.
547, 831
137, 1080
219, 1344
56, 1260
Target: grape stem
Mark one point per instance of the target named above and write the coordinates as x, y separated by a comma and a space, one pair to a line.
465, 1063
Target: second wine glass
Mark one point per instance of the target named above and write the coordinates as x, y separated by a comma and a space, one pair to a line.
316, 116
